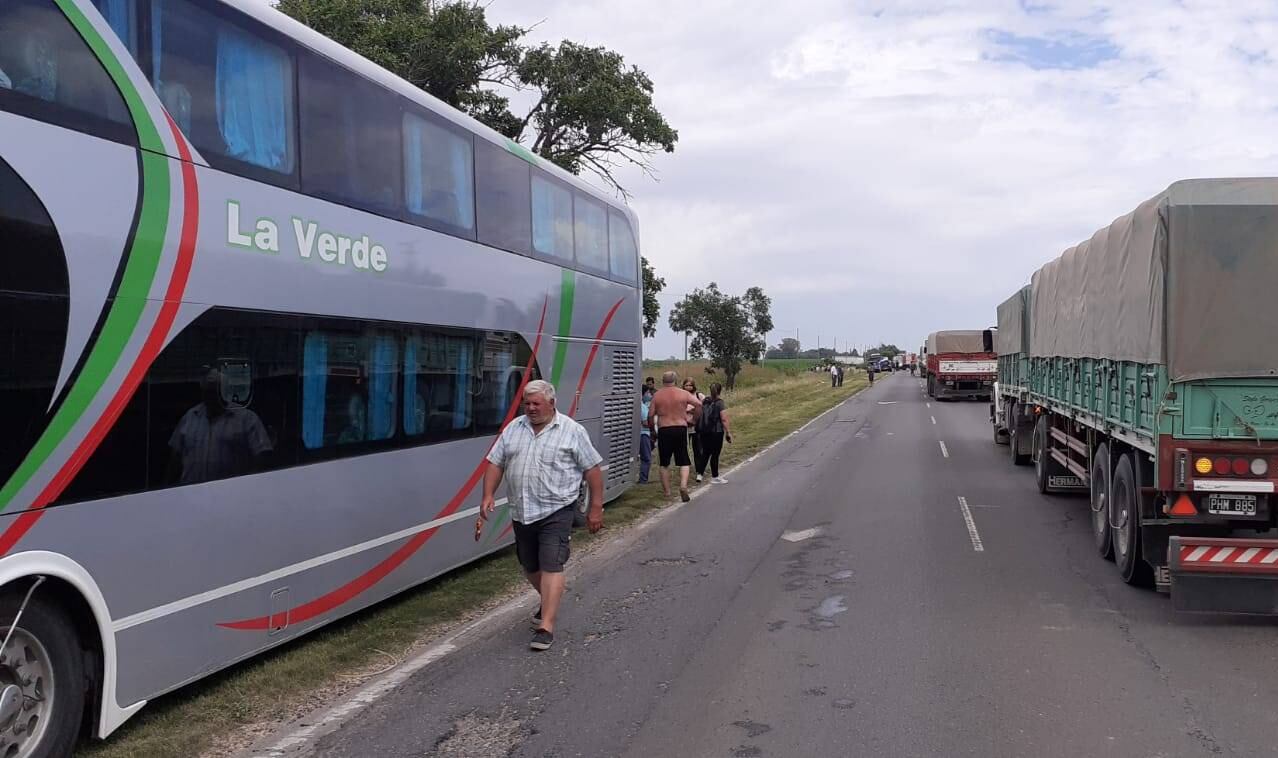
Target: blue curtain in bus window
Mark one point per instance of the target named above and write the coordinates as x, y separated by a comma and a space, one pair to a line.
314, 386
381, 389
414, 412
438, 173
121, 16
461, 406
551, 218
254, 100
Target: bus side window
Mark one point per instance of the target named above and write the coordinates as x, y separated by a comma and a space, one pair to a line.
439, 171
551, 217
351, 133
122, 17
590, 231
47, 71
621, 247
439, 375
229, 89
503, 199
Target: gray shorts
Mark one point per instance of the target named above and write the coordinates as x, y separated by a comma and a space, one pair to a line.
543, 545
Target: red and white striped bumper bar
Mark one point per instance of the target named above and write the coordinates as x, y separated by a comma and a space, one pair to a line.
1224, 575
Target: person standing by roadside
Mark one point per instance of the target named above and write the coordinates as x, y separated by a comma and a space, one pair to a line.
543, 456
698, 455
834, 376
668, 418
713, 429
645, 436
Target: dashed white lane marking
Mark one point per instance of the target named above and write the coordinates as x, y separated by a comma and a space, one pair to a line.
971, 526
929, 405
945, 451
801, 535
934, 421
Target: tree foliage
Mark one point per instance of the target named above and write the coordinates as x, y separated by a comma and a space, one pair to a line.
727, 329
652, 284
789, 348
885, 350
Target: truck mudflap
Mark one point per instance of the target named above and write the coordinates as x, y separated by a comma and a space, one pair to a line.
1224, 575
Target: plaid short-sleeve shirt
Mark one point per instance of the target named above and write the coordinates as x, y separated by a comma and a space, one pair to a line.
543, 471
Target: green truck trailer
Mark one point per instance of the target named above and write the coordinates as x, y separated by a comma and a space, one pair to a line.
1137, 368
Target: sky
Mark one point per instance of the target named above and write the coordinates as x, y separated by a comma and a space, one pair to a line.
887, 169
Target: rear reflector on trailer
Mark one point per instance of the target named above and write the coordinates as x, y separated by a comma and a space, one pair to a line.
1184, 507
1224, 575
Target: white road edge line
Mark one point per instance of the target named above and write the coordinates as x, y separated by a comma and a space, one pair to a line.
945, 451
387, 682
977, 545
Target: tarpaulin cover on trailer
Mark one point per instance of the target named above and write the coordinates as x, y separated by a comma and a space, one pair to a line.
1188, 279
1013, 324
960, 341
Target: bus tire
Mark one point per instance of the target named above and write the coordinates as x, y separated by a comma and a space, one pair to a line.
1101, 485
1125, 524
45, 662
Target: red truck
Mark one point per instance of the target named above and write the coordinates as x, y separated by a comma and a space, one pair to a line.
961, 363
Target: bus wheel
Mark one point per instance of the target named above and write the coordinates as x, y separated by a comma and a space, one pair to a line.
1101, 487
41, 681
1125, 524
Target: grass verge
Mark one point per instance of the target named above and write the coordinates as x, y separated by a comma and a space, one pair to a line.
229, 710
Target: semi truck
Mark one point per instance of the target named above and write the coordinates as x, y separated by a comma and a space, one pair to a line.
1135, 369
961, 364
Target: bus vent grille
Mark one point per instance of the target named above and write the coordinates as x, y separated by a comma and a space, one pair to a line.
623, 372
619, 428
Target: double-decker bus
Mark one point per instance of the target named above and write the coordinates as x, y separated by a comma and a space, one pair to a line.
263, 309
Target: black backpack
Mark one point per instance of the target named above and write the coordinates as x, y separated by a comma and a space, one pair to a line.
709, 422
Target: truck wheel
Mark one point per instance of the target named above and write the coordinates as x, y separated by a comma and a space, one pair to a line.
1101, 486
931, 391
42, 681
1015, 439
1125, 524
1040, 455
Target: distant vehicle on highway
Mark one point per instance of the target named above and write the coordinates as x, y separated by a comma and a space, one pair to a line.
1131, 369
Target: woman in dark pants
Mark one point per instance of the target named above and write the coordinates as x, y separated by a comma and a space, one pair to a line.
712, 430
698, 455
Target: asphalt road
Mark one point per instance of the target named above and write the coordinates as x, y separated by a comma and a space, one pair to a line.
831, 601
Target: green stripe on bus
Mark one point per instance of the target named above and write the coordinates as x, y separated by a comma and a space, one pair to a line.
521, 151
566, 294
139, 271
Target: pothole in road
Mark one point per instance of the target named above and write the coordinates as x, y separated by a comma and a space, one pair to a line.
831, 607
682, 560
844, 703
752, 728
840, 576
476, 734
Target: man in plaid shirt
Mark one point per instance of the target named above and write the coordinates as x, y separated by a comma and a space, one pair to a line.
543, 456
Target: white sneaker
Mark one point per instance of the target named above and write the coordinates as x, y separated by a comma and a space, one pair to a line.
719, 480
698, 478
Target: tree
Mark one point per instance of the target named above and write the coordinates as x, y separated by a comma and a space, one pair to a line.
728, 329
591, 110
652, 284
885, 350
789, 347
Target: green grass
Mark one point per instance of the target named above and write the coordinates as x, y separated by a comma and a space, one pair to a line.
218, 714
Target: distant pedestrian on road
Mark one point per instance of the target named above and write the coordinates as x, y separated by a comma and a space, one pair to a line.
546, 454
712, 429
698, 456
645, 436
668, 419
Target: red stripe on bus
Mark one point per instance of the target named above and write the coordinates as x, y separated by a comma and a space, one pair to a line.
581, 383
150, 350
359, 584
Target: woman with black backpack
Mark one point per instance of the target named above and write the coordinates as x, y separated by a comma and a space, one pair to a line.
712, 430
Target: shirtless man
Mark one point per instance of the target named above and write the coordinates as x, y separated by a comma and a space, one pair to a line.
668, 415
